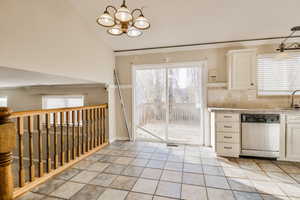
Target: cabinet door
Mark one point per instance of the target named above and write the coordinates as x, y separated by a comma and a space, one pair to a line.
293, 142
242, 72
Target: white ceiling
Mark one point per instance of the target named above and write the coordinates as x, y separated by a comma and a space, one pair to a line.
177, 22
18, 78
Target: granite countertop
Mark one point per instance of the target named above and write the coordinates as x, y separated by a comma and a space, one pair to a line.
262, 110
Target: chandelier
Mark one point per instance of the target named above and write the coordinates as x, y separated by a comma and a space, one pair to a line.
122, 21
294, 46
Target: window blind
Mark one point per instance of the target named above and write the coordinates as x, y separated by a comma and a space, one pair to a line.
50, 102
3, 101
278, 76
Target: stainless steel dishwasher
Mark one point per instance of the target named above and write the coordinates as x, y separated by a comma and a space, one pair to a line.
260, 135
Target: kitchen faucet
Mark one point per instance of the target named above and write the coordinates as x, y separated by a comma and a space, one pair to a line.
293, 96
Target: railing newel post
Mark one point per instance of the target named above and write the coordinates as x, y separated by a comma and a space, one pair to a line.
7, 144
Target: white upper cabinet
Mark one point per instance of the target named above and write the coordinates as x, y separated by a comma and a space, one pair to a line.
241, 69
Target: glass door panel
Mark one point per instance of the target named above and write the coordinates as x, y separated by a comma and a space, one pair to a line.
150, 104
184, 100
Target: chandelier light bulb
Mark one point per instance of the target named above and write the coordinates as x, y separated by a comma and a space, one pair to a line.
141, 23
106, 20
116, 30
134, 32
123, 14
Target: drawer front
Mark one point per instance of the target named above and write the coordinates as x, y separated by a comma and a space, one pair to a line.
228, 127
227, 117
293, 118
227, 149
228, 137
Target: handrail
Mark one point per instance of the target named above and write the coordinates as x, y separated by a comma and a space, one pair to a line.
51, 140
44, 111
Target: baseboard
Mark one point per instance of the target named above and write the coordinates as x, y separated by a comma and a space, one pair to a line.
123, 138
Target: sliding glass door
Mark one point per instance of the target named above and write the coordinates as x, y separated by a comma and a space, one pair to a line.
167, 103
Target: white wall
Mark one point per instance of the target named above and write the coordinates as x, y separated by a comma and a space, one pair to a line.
49, 36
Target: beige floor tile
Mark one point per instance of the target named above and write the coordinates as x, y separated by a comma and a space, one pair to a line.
67, 190
157, 164
168, 189
146, 186
176, 166
103, 179
83, 164
234, 172
84, 176
257, 175
161, 198
266, 187
140, 162
48, 187
291, 190
31, 196
280, 177
239, 184
213, 170
133, 171
193, 168
247, 195
216, 182
193, 179
123, 160
112, 194
270, 167
219, 194
124, 182
172, 176
274, 197
138, 196
191, 192
98, 166
89, 192
291, 169
151, 173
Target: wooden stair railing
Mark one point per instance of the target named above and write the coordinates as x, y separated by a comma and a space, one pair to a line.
48, 142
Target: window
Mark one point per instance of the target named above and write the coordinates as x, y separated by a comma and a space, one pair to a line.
278, 76
3, 101
50, 102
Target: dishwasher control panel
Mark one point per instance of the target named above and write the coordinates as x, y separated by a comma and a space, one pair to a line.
260, 118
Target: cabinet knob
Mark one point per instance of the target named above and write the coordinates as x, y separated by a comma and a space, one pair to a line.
252, 84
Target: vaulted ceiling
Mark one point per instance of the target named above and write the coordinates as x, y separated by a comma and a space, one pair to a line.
177, 22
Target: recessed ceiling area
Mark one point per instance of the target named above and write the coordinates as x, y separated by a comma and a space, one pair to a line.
178, 22
10, 77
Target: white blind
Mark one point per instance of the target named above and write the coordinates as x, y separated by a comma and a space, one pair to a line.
3, 101
50, 102
278, 76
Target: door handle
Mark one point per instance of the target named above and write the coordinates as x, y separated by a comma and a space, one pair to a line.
227, 137
227, 126
227, 147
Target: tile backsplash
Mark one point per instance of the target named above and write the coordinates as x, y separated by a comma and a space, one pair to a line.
221, 97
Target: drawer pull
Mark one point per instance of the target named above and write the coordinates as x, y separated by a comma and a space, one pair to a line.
227, 137
227, 126
227, 147
226, 116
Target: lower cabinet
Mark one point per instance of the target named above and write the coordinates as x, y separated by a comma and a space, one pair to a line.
293, 142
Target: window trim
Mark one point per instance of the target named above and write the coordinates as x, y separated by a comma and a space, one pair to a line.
44, 98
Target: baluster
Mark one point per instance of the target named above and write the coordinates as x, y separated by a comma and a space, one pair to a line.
82, 132
92, 145
78, 132
68, 138
40, 143
55, 140
97, 126
21, 151
100, 125
31, 164
62, 152
87, 130
103, 124
73, 136
48, 145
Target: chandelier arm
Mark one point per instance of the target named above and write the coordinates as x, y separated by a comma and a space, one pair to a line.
288, 37
107, 7
137, 10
